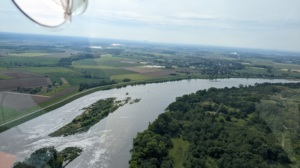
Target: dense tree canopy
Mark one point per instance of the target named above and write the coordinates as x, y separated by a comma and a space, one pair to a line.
49, 157
221, 126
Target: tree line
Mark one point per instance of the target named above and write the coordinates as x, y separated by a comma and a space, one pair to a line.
68, 60
83, 86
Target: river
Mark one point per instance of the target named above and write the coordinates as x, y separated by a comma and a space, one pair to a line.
107, 143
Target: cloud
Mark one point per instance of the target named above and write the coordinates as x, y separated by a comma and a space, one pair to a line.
255, 23
214, 14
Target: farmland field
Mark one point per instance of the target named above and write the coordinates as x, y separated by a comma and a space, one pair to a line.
143, 69
134, 77
8, 114
14, 105
13, 84
57, 89
21, 74
63, 65
20, 60
2, 69
18, 101
46, 70
104, 73
271, 63
287, 66
55, 73
2, 77
159, 74
64, 81
76, 65
108, 61
28, 54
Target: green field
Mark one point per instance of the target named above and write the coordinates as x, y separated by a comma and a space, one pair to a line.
105, 73
271, 63
55, 73
20, 60
33, 54
8, 114
263, 72
253, 70
287, 66
259, 60
108, 68
107, 61
75, 81
2, 76
46, 70
2, 69
57, 89
178, 152
134, 77
77, 65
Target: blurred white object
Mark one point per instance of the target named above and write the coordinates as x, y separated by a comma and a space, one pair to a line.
51, 13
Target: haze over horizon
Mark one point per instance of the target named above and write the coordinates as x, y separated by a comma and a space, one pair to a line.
261, 24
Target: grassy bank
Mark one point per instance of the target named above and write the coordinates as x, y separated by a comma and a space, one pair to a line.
61, 101
58, 102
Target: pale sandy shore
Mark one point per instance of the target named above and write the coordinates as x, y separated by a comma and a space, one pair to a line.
7, 160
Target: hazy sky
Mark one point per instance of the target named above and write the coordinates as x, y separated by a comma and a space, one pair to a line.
270, 24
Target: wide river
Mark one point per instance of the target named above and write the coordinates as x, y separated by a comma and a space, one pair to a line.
106, 144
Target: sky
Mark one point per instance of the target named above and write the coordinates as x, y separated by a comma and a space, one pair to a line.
262, 24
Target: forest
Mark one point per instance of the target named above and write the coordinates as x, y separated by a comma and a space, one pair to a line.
230, 127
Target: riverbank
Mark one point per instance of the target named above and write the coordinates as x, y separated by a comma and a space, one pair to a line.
52, 105
223, 122
59, 102
107, 143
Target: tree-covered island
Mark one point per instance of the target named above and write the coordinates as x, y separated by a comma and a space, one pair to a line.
92, 115
49, 157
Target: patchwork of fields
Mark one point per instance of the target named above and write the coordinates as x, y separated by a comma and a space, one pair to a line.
15, 105
63, 80
20, 79
51, 71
